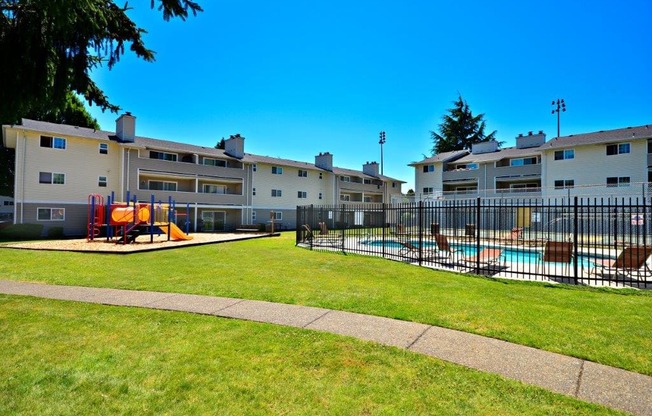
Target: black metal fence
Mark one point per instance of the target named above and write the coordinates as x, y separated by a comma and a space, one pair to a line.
600, 242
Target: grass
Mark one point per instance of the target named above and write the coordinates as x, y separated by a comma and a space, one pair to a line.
606, 326
67, 358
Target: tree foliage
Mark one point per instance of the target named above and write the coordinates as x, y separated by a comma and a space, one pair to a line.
460, 129
49, 48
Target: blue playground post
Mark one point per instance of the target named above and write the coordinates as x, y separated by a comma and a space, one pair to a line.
91, 226
169, 215
188, 218
109, 230
128, 198
151, 220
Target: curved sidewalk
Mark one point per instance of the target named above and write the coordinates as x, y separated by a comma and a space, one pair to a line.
585, 380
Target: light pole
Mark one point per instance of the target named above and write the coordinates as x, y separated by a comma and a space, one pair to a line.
561, 108
381, 142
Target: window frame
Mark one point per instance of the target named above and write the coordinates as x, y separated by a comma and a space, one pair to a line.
619, 181
564, 183
614, 149
103, 148
566, 154
302, 194
165, 156
302, 173
52, 181
163, 188
428, 168
219, 163
277, 170
102, 183
50, 217
277, 193
52, 142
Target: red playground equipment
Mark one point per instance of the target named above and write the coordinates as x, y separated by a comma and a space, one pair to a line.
125, 222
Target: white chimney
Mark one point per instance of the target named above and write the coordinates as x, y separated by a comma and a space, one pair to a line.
324, 161
125, 127
370, 169
234, 146
484, 147
531, 140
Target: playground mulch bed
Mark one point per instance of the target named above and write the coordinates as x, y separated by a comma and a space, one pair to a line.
142, 244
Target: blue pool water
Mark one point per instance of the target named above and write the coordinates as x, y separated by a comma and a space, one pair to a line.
521, 255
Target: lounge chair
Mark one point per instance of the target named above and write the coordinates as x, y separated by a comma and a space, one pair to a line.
556, 252
630, 261
444, 248
515, 236
487, 259
323, 231
309, 237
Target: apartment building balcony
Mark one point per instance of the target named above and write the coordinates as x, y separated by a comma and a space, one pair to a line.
460, 175
360, 198
192, 188
190, 165
357, 187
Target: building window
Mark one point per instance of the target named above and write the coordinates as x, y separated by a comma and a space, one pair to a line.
278, 216
320, 175
277, 193
617, 149
564, 183
101, 181
303, 173
215, 162
253, 191
523, 161
104, 148
345, 178
302, 194
277, 170
254, 167
428, 168
345, 197
210, 188
617, 181
467, 166
162, 156
162, 186
565, 154
52, 178
393, 184
50, 214
53, 142
253, 216
320, 195
428, 190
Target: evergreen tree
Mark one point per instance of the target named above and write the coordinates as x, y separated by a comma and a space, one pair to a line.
460, 129
220, 144
49, 48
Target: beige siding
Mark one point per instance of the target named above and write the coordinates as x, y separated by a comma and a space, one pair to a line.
290, 183
591, 166
428, 179
81, 162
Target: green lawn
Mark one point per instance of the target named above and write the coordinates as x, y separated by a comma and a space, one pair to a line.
609, 327
69, 358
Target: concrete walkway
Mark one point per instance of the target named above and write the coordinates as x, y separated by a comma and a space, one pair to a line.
616, 388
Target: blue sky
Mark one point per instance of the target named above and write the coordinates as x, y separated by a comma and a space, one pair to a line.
296, 78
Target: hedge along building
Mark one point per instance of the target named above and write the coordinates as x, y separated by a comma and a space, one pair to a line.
57, 166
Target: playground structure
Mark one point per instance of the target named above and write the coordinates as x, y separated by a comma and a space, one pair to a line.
123, 223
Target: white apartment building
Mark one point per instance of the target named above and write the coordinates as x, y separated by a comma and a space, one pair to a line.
600, 164
58, 166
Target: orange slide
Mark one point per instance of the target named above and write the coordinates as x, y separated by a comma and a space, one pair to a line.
175, 232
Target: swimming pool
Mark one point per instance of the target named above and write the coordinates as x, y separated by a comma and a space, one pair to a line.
514, 255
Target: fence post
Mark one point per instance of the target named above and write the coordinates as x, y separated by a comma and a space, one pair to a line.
477, 234
383, 225
420, 230
575, 239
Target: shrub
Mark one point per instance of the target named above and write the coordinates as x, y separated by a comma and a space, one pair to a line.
21, 232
